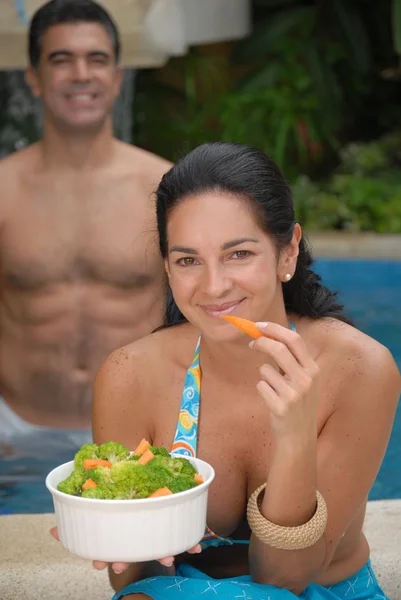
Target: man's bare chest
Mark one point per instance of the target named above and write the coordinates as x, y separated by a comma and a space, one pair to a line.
115, 243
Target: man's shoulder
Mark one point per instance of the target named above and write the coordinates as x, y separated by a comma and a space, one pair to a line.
11, 168
15, 171
17, 163
20, 157
143, 160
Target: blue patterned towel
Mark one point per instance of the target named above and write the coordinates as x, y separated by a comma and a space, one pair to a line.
190, 583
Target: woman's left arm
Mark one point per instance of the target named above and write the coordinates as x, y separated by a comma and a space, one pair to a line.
342, 463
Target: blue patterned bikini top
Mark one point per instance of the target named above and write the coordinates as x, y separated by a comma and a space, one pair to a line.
186, 435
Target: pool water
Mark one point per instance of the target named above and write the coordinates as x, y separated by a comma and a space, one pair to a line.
371, 291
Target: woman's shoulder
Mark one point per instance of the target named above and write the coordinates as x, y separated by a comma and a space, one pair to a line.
354, 357
346, 341
155, 353
133, 384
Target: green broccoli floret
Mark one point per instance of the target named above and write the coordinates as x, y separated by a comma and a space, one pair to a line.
87, 451
100, 475
181, 483
179, 465
123, 470
131, 480
113, 452
135, 457
159, 473
186, 466
159, 451
127, 479
174, 465
101, 492
73, 483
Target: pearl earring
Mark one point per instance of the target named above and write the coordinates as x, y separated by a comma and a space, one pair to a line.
287, 277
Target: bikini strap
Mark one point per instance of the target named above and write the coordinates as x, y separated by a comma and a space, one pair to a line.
186, 435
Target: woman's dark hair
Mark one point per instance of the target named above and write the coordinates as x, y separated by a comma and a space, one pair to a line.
57, 12
247, 173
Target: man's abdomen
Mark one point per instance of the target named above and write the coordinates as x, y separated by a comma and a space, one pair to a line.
51, 348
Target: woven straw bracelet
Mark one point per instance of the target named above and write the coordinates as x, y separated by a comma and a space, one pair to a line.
286, 538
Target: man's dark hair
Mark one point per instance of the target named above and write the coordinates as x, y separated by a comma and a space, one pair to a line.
57, 12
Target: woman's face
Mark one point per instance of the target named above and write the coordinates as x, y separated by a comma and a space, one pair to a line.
221, 262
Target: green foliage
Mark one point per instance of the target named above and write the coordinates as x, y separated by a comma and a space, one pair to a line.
364, 194
309, 79
303, 59
396, 24
176, 113
305, 81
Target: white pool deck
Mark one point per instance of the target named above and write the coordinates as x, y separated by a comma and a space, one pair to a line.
355, 245
33, 566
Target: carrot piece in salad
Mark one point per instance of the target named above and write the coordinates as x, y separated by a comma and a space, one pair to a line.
146, 457
198, 478
142, 447
244, 325
164, 491
91, 463
89, 483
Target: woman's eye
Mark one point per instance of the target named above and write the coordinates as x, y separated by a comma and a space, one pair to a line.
240, 254
186, 262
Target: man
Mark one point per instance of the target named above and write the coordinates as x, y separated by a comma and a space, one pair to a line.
80, 270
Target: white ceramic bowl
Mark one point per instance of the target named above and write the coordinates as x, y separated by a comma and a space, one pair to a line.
130, 530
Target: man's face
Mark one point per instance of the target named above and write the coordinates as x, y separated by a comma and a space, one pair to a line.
77, 78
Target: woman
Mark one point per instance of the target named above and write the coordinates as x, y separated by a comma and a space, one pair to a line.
305, 411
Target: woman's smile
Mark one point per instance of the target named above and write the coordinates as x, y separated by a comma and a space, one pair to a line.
216, 310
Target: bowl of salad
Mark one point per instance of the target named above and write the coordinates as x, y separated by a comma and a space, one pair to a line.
120, 506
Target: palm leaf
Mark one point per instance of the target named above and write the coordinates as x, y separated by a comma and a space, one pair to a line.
354, 34
261, 78
266, 35
282, 141
325, 84
396, 25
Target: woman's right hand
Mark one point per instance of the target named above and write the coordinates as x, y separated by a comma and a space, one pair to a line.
119, 567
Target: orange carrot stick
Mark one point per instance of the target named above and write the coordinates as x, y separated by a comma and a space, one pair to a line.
164, 491
146, 457
198, 478
246, 326
91, 463
89, 483
142, 447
